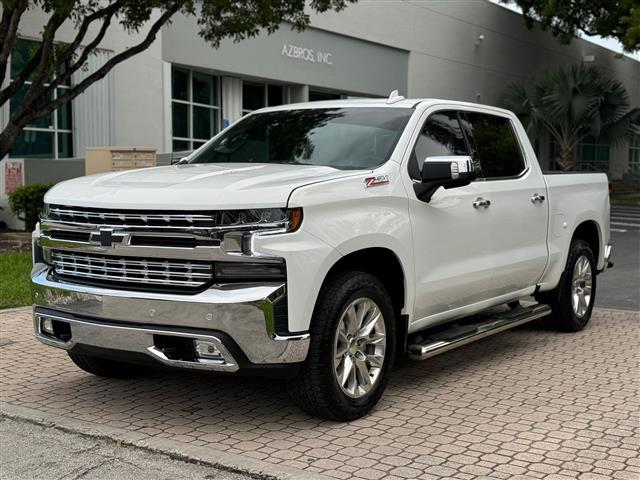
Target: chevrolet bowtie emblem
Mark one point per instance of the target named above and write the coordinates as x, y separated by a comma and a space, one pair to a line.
106, 238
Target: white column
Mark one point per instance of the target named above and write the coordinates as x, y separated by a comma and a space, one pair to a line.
93, 110
166, 107
297, 93
231, 100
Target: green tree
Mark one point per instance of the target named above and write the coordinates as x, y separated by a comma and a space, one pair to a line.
52, 63
619, 19
571, 104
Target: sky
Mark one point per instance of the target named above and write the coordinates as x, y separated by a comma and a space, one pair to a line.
610, 43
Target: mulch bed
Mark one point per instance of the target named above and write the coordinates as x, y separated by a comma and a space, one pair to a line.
15, 241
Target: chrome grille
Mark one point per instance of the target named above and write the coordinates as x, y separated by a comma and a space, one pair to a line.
90, 216
90, 268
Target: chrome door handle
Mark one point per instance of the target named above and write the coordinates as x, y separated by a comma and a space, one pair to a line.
481, 202
537, 198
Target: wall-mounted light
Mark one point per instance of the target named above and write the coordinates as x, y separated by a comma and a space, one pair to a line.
479, 40
588, 59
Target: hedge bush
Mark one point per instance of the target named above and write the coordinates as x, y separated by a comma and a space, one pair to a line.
27, 202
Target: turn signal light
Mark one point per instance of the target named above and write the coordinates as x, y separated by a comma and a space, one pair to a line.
295, 219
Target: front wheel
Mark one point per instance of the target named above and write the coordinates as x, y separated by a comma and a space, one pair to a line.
572, 300
352, 349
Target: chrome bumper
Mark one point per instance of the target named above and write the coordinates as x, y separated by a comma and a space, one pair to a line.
607, 258
244, 314
130, 339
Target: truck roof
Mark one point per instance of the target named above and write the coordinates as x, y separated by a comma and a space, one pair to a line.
397, 102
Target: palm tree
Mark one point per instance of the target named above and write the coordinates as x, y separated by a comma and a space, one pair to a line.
571, 104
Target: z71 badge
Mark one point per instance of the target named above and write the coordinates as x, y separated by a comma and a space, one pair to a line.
375, 181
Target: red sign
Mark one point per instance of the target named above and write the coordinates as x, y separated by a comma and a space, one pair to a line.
12, 176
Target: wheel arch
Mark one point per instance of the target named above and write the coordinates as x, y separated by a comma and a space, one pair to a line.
386, 266
587, 227
383, 264
589, 232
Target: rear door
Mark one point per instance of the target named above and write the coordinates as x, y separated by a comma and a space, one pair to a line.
518, 214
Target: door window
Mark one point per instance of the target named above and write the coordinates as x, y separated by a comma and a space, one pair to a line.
440, 136
494, 144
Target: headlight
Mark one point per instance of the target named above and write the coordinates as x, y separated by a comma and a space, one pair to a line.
288, 219
237, 238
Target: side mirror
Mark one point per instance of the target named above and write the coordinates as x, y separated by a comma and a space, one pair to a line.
447, 172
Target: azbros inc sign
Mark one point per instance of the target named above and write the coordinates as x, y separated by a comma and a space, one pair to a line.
306, 54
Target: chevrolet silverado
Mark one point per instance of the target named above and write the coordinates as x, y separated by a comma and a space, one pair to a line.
318, 242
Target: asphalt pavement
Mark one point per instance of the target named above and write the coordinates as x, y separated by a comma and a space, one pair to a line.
620, 287
33, 452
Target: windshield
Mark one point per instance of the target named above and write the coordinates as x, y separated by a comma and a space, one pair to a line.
345, 138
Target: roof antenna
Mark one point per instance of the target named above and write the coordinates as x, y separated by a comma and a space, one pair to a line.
394, 97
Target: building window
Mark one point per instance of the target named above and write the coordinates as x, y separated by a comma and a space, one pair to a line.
590, 155
47, 137
260, 95
195, 108
316, 96
634, 155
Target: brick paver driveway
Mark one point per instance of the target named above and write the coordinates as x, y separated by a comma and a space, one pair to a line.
528, 402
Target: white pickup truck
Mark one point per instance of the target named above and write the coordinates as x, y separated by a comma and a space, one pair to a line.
317, 242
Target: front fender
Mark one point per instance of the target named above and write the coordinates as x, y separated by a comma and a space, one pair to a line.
349, 217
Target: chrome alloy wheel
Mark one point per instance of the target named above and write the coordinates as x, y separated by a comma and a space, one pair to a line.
359, 346
581, 286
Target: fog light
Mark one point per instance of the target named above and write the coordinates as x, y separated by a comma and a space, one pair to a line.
206, 349
47, 325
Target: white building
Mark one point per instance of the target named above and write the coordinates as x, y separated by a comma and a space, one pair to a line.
180, 91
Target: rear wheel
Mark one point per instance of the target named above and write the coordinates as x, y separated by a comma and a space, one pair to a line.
572, 300
352, 349
104, 367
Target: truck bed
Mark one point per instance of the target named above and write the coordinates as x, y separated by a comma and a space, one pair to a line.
573, 198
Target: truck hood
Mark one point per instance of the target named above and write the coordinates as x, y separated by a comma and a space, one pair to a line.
192, 186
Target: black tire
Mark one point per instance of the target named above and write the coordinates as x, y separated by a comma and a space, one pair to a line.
104, 367
563, 317
315, 389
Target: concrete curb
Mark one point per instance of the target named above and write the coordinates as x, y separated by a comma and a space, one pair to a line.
177, 450
16, 309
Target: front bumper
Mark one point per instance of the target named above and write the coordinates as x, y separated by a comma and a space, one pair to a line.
607, 258
238, 320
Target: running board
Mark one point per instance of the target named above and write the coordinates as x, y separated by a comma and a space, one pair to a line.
461, 335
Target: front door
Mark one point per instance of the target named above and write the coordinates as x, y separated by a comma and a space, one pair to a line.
452, 238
